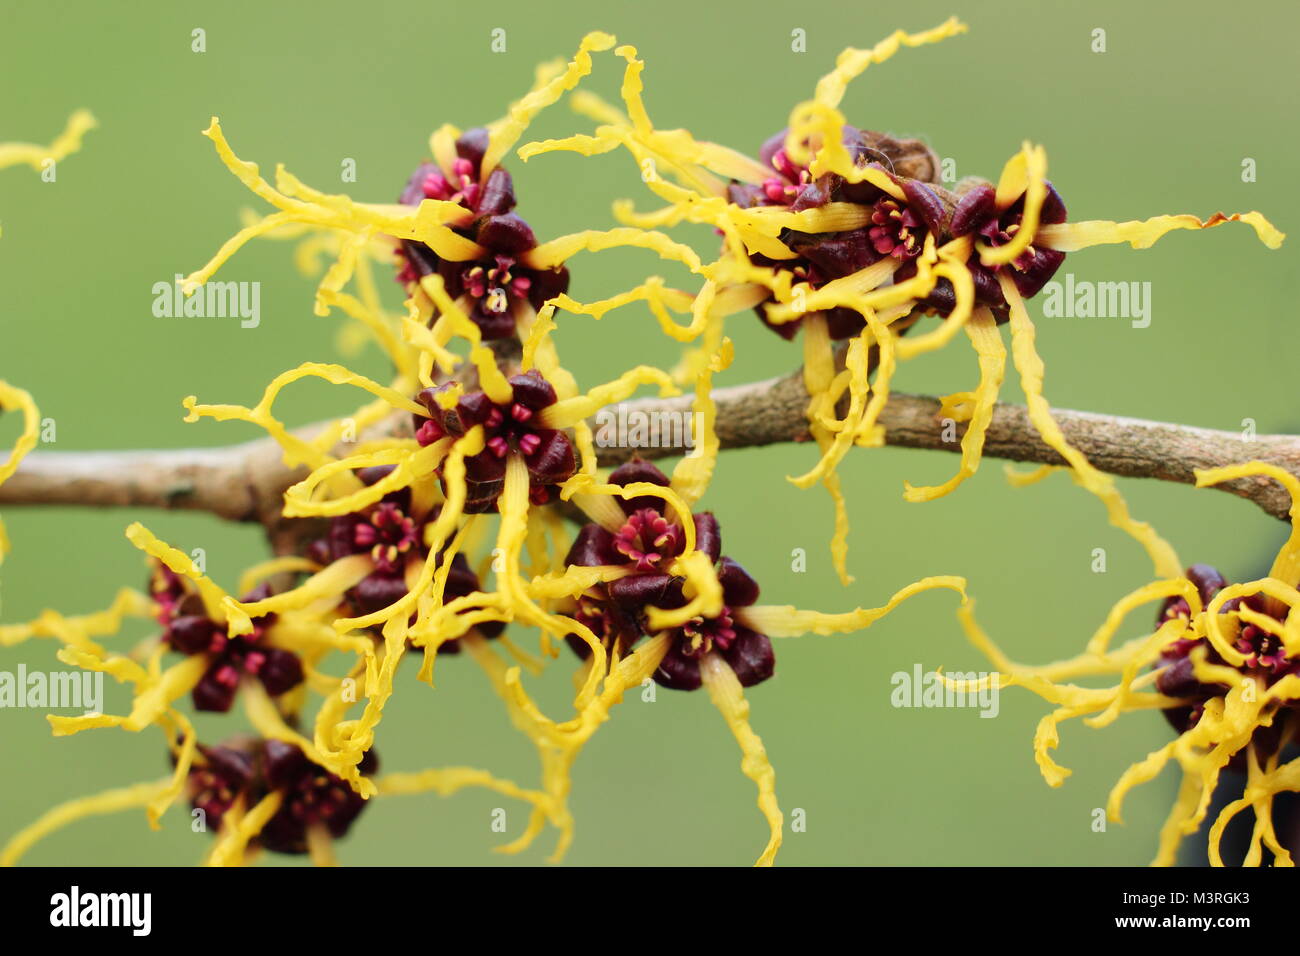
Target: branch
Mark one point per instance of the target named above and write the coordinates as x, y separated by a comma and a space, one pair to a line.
245, 482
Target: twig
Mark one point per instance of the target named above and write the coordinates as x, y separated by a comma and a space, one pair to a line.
245, 482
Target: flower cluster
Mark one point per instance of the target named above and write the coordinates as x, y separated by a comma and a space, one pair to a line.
499, 278
300, 807
1222, 665
439, 524
516, 426
189, 629
644, 546
848, 234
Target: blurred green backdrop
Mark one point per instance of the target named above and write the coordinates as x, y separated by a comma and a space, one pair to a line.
1160, 122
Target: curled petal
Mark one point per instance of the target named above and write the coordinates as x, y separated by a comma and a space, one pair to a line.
725, 692
110, 801
786, 621
1142, 234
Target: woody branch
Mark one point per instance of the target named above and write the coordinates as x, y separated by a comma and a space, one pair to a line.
246, 482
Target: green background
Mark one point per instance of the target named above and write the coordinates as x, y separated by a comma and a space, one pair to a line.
1160, 123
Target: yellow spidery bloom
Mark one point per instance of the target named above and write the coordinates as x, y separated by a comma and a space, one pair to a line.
1222, 664
393, 561
502, 447
455, 219
480, 426
277, 793
847, 234
628, 579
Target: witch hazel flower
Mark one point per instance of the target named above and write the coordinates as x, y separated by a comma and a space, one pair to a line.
1223, 667
1266, 656
278, 792
189, 630
824, 234
516, 425
643, 599
284, 802
454, 219
644, 546
491, 285
392, 534
887, 227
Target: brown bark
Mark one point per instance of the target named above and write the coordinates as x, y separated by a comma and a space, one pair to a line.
245, 482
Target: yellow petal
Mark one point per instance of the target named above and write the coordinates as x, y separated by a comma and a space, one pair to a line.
507, 133
729, 697
984, 336
110, 801
67, 142
1030, 366
1142, 234
852, 62
787, 621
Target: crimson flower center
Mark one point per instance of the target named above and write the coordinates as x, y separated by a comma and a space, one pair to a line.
999, 233
1261, 648
461, 188
784, 188
895, 229
648, 539
700, 634
237, 655
509, 426
493, 285
388, 533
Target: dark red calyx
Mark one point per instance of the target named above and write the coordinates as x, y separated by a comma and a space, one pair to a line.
510, 427
977, 213
499, 279
618, 612
188, 630
216, 781
310, 794
1266, 657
